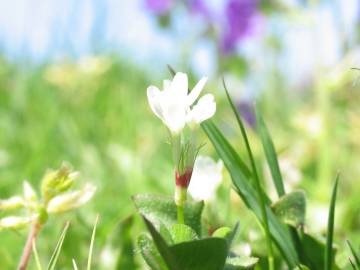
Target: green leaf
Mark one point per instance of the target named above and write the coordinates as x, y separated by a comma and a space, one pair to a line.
291, 208
182, 233
203, 254
301, 267
56, 253
313, 252
223, 232
356, 256
150, 254
270, 154
162, 247
125, 258
91, 248
279, 232
161, 209
329, 257
241, 262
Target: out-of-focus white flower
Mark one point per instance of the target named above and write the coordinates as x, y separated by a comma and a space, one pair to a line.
290, 172
174, 107
318, 217
311, 123
14, 222
70, 200
108, 257
206, 177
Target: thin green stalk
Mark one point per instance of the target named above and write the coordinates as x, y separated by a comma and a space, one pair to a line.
180, 214
257, 181
330, 232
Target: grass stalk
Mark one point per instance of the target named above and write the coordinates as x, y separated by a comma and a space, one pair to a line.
256, 180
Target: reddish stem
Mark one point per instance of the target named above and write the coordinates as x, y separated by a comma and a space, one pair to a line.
34, 232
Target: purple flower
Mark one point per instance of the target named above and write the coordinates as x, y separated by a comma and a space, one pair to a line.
199, 7
247, 113
239, 15
159, 7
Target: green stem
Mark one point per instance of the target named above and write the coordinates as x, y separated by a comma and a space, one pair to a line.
180, 214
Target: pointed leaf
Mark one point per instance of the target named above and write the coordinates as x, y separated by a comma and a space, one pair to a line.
161, 209
204, 254
329, 257
182, 233
270, 154
248, 194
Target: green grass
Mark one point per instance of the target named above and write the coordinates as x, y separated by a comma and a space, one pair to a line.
100, 122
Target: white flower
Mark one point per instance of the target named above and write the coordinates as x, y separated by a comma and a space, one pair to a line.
71, 200
206, 177
174, 106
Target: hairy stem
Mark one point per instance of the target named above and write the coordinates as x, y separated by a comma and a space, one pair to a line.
33, 233
180, 214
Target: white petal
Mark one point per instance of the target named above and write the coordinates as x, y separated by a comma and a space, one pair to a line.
179, 85
154, 96
204, 109
194, 94
166, 84
206, 177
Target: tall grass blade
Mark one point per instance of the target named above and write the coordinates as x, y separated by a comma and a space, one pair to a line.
356, 256
256, 179
74, 264
36, 256
56, 253
92, 244
330, 231
248, 194
352, 264
270, 153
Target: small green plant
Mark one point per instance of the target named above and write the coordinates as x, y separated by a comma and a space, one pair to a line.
57, 196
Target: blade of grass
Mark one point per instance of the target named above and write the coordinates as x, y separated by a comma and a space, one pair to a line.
92, 243
74, 264
36, 256
356, 257
248, 193
56, 253
352, 264
256, 179
330, 231
270, 153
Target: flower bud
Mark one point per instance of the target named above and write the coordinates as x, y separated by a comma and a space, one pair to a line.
71, 200
11, 203
29, 192
57, 182
14, 222
184, 179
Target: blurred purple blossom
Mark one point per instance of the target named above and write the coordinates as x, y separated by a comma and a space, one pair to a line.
247, 112
199, 7
159, 7
239, 15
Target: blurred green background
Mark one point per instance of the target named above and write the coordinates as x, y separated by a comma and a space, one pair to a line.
73, 79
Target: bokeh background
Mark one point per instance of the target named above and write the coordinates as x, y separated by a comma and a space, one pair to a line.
73, 79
